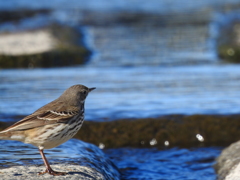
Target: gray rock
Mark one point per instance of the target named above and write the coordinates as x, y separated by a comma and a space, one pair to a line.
30, 172
51, 46
228, 163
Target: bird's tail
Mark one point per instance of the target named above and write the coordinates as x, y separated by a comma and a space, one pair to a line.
5, 135
12, 135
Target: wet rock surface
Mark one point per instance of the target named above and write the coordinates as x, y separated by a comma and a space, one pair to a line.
31, 172
228, 163
165, 131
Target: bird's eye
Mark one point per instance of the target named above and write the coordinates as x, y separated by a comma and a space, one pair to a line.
84, 92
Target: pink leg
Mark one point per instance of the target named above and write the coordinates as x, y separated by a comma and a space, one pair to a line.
49, 170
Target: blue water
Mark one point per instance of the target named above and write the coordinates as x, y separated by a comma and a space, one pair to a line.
17, 153
169, 164
74, 151
127, 92
142, 71
198, 23
151, 5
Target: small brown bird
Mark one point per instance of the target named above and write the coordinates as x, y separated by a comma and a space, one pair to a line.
52, 124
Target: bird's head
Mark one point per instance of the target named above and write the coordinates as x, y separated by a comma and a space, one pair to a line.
76, 94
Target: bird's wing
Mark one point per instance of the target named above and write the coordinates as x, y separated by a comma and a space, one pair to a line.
41, 119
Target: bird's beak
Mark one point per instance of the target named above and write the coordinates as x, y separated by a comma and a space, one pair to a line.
90, 89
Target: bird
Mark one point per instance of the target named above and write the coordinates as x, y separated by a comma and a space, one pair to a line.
52, 124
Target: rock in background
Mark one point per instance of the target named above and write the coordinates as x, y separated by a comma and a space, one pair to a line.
126, 33
228, 41
50, 44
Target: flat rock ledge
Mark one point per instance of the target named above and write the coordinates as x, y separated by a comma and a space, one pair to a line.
31, 172
228, 163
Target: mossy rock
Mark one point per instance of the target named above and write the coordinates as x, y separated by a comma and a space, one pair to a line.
229, 53
166, 131
69, 50
56, 58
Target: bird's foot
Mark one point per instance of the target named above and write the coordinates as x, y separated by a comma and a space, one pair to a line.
52, 172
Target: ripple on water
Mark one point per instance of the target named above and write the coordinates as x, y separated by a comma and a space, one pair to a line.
134, 163
73, 151
127, 92
170, 164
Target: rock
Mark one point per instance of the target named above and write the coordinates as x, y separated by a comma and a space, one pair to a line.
228, 163
27, 43
52, 46
79, 159
229, 53
30, 172
228, 41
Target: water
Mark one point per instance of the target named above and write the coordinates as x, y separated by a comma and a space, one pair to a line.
127, 92
170, 164
164, 63
18, 153
152, 40
152, 5
15, 153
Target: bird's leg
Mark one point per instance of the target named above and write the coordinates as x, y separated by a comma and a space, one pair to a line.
48, 167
